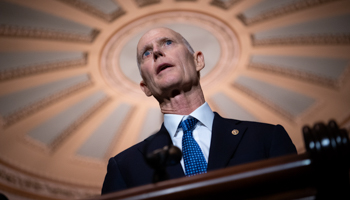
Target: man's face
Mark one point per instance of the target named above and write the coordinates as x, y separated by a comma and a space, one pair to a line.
165, 63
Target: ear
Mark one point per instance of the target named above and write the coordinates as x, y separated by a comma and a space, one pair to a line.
199, 60
145, 89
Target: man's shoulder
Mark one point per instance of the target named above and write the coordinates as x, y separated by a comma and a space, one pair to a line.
135, 149
246, 123
258, 124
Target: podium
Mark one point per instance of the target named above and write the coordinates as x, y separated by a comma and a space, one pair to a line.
322, 172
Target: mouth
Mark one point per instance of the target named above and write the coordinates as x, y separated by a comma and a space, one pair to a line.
162, 67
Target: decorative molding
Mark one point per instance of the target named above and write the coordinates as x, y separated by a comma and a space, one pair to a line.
89, 161
26, 185
299, 74
150, 124
286, 9
265, 101
224, 4
106, 135
142, 3
77, 123
41, 33
230, 108
330, 39
31, 171
41, 68
345, 124
120, 133
30, 109
109, 17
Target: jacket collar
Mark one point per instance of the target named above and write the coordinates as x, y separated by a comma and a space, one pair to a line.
223, 142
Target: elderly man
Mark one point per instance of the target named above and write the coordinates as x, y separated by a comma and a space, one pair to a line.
170, 70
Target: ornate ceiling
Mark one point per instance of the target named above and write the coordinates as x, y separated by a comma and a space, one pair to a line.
69, 93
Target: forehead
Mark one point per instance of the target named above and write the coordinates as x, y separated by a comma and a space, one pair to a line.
156, 34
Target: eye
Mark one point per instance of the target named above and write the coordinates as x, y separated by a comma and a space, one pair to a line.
168, 42
147, 53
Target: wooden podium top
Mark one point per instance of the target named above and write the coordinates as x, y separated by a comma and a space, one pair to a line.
322, 172
288, 176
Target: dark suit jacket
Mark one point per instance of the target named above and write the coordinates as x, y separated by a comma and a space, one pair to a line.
255, 141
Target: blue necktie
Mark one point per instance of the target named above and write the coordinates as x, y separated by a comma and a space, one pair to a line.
192, 154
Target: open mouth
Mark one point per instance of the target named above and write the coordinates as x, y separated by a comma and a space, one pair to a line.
163, 67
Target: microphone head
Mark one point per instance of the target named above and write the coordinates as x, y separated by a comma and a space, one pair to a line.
167, 156
175, 155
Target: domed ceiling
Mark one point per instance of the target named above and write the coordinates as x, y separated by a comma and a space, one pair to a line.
69, 93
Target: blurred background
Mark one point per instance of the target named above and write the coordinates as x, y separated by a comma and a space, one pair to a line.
69, 92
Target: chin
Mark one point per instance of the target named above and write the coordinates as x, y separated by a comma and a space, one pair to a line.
168, 81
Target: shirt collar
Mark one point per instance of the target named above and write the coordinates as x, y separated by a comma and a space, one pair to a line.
204, 114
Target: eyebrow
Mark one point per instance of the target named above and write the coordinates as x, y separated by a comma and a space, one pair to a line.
148, 46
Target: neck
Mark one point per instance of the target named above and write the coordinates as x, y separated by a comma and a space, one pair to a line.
183, 103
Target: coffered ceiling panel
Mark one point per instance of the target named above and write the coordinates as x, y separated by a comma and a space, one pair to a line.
290, 103
52, 131
331, 30
19, 104
230, 108
25, 22
264, 10
322, 70
108, 10
97, 145
17, 64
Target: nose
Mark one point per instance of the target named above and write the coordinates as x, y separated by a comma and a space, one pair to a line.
157, 53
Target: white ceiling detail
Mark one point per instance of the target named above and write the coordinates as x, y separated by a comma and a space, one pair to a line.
225, 4
19, 64
334, 30
230, 109
292, 102
49, 131
97, 145
29, 100
18, 60
142, 3
108, 10
319, 70
47, 189
22, 21
106, 6
151, 124
267, 9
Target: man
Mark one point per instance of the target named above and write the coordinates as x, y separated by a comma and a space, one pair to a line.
170, 70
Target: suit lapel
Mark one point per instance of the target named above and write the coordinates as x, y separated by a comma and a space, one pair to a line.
158, 141
223, 142
222, 147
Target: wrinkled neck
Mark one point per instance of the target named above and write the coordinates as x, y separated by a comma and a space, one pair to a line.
182, 103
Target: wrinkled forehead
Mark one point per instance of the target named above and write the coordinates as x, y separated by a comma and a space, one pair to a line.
155, 34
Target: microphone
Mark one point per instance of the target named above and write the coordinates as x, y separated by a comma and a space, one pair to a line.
166, 156
159, 159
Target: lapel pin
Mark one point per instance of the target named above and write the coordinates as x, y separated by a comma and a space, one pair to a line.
235, 132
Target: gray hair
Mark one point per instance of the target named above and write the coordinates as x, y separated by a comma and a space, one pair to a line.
189, 47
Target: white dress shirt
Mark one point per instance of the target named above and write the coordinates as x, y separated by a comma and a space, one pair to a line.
201, 132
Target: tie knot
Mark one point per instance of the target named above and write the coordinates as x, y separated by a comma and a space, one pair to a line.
188, 124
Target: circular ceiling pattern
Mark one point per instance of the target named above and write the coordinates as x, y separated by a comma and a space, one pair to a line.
221, 48
69, 94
